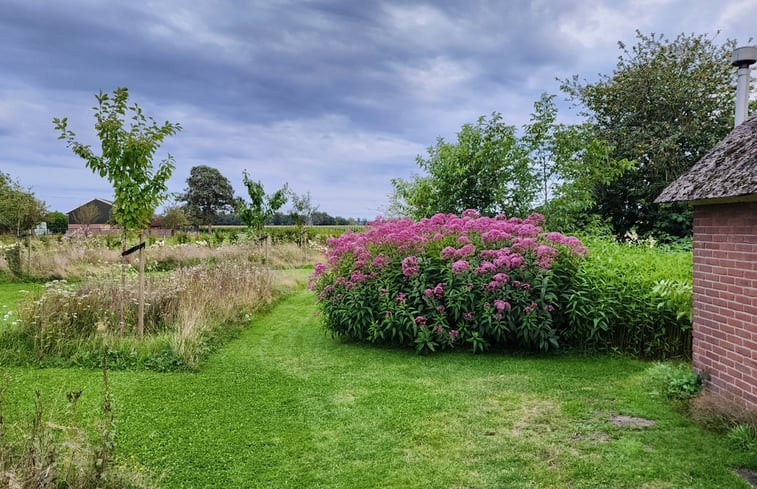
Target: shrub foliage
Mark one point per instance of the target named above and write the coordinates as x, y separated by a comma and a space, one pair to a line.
448, 282
474, 283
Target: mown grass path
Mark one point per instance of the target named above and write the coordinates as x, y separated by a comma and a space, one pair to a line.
284, 406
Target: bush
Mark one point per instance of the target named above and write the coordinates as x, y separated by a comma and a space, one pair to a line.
449, 282
673, 382
631, 298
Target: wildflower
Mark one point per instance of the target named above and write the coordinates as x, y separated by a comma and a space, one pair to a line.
439, 290
500, 278
468, 316
421, 321
441, 309
466, 250
501, 305
400, 297
447, 253
410, 267
438, 328
460, 266
453, 334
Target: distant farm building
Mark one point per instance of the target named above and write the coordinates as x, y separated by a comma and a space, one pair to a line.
92, 217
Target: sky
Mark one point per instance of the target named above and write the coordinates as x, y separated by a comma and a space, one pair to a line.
333, 97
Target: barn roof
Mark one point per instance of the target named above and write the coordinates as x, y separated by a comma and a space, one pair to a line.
728, 171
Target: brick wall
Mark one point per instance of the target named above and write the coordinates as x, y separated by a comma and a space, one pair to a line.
725, 299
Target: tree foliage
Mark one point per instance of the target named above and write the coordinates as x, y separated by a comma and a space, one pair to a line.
174, 218
207, 193
57, 222
126, 156
20, 210
552, 168
261, 206
484, 170
567, 162
664, 106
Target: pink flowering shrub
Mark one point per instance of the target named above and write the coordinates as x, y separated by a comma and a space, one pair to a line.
448, 282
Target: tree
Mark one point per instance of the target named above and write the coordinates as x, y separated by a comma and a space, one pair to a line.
86, 215
302, 210
126, 161
57, 222
553, 168
664, 106
261, 207
20, 210
302, 215
569, 162
485, 170
174, 218
207, 193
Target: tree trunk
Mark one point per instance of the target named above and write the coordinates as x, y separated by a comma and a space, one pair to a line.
29, 253
141, 313
122, 306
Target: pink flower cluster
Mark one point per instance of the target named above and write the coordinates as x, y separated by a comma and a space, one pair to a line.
506, 243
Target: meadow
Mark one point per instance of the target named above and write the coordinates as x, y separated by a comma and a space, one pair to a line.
277, 402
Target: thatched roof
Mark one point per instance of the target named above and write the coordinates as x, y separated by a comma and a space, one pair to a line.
728, 171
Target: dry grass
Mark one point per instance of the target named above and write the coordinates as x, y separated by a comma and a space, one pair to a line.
77, 257
720, 415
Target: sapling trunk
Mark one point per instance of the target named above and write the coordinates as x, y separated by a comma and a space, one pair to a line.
122, 305
141, 313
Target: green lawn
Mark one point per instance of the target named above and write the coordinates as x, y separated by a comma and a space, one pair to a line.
285, 406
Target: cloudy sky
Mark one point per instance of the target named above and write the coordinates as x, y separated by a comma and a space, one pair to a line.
335, 97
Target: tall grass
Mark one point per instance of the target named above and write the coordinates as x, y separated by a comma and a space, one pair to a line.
632, 297
74, 258
187, 312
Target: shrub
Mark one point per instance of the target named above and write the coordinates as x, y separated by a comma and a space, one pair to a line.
448, 282
631, 298
673, 382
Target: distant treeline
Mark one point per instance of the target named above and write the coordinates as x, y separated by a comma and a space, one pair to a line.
280, 219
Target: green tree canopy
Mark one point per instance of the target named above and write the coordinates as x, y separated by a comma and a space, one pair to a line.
126, 156
552, 168
207, 193
484, 170
174, 218
664, 106
20, 210
261, 206
57, 222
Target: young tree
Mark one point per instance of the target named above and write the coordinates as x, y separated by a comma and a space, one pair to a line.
207, 193
126, 161
485, 170
664, 106
174, 218
569, 162
261, 206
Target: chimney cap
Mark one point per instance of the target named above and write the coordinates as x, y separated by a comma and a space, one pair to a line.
744, 56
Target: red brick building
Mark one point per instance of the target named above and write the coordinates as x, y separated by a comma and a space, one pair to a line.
722, 187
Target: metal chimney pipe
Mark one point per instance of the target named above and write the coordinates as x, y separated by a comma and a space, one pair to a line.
742, 58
